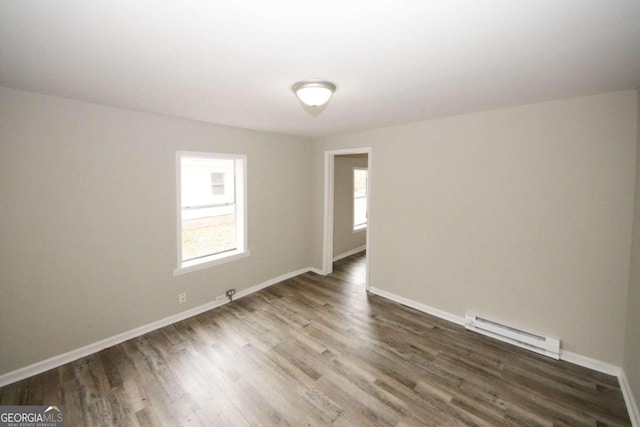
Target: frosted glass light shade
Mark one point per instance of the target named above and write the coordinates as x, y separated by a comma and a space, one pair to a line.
314, 93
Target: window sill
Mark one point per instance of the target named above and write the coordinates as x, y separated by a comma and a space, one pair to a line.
210, 261
360, 228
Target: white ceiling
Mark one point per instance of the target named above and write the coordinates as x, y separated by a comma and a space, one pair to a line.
233, 62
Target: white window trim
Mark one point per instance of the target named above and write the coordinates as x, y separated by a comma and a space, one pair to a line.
361, 227
242, 250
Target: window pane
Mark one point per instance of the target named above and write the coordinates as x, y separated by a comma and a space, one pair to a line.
207, 207
359, 198
360, 211
359, 182
196, 178
208, 231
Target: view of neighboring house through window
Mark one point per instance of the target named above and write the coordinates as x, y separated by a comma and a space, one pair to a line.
211, 218
359, 198
217, 183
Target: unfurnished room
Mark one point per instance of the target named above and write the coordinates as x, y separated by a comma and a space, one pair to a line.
291, 213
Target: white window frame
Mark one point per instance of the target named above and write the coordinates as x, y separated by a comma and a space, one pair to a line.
241, 250
360, 227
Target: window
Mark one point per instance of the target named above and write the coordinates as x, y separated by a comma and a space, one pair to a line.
211, 209
360, 176
217, 183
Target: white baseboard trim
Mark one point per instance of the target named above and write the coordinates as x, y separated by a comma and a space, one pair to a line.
567, 356
270, 282
349, 253
317, 271
418, 306
70, 356
588, 362
629, 399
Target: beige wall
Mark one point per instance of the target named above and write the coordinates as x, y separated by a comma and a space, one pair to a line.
344, 239
521, 214
88, 220
632, 341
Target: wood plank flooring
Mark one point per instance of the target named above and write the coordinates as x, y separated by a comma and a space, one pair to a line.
317, 350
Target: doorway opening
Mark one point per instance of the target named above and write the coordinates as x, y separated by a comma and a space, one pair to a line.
347, 201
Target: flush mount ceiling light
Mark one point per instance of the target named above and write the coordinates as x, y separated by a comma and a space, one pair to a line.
314, 93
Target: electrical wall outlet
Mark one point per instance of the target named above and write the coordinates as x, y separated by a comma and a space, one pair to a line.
182, 298
230, 293
221, 298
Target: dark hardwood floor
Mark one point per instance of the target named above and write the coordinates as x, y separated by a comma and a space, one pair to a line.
317, 350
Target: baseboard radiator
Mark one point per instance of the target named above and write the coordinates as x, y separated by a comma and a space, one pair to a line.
540, 344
